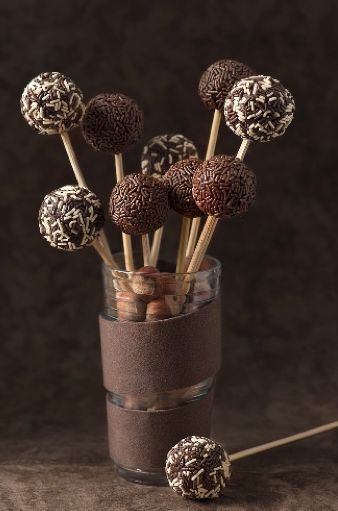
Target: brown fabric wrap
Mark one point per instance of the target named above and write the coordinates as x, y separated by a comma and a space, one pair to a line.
141, 440
161, 355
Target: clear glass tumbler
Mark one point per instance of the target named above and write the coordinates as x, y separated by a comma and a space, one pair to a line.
161, 350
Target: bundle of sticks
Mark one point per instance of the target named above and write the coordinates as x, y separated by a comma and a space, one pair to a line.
172, 176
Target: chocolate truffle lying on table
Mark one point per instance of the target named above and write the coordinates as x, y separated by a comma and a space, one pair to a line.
164, 150
217, 81
112, 123
51, 103
259, 108
198, 468
224, 186
70, 218
139, 204
179, 184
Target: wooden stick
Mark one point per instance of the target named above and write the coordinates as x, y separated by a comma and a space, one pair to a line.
283, 441
155, 246
102, 239
180, 262
210, 225
146, 250
126, 238
210, 152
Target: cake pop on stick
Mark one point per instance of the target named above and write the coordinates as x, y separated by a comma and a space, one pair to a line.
126, 239
222, 187
158, 155
139, 204
214, 86
199, 468
259, 108
112, 123
179, 183
52, 104
70, 218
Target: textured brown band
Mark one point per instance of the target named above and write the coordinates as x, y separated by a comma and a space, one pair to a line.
161, 355
141, 440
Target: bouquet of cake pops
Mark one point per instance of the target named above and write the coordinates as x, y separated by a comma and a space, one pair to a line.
171, 176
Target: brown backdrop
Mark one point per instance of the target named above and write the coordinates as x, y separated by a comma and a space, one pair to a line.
280, 261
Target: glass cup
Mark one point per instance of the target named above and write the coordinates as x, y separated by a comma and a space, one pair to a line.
163, 330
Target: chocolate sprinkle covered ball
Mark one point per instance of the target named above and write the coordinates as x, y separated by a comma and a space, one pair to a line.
51, 104
164, 150
224, 186
139, 204
198, 468
259, 108
179, 183
70, 217
217, 81
112, 123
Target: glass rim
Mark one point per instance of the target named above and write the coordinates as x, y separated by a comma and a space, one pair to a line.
216, 266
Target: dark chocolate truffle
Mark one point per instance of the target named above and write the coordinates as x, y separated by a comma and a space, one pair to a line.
164, 150
51, 103
217, 81
224, 186
70, 217
112, 123
259, 108
198, 468
139, 204
179, 183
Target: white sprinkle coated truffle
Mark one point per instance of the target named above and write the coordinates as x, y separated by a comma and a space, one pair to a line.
51, 104
259, 108
70, 218
163, 151
198, 468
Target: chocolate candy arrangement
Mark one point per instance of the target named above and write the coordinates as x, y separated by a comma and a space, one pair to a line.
255, 107
142, 294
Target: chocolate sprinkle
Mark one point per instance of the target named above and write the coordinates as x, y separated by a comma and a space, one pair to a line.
259, 108
139, 204
163, 151
198, 468
224, 186
217, 81
179, 183
51, 103
112, 123
70, 217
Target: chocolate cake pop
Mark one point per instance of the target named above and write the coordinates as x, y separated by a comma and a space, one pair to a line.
259, 108
224, 186
112, 123
217, 81
139, 204
52, 104
198, 468
179, 183
163, 151
70, 218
